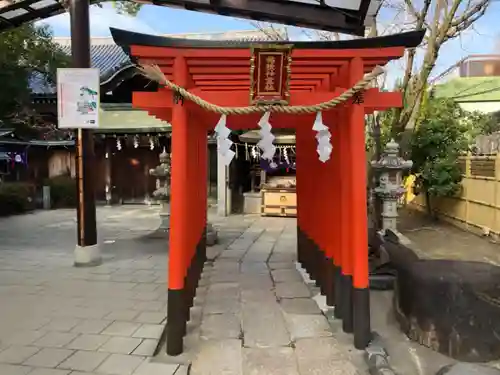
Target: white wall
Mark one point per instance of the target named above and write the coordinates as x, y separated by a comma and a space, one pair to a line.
486, 107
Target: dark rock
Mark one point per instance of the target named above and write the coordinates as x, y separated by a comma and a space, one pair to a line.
468, 369
399, 254
450, 306
211, 235
376, 357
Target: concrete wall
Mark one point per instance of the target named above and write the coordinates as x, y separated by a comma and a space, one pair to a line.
485, 107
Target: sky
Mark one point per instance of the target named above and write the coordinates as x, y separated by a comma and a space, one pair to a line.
162, 20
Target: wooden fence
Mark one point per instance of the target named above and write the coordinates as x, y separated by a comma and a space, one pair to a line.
477, 207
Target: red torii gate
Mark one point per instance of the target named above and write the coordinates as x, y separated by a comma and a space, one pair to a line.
331, 197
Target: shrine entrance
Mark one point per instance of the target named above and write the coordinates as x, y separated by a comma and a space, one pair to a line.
317, 88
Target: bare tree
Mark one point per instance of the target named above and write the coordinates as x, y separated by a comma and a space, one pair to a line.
443, 20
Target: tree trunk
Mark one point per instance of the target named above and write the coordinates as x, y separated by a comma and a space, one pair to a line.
430, 209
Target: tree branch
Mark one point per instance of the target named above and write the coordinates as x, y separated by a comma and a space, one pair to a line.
466, 20
419, 16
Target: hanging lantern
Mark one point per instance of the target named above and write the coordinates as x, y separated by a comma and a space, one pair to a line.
136, 141
118, 144
151, 144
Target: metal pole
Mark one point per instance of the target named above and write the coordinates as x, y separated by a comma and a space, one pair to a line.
87, 251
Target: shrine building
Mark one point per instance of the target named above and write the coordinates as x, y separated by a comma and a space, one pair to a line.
129, 141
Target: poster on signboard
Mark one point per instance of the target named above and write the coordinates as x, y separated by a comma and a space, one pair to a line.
78, 98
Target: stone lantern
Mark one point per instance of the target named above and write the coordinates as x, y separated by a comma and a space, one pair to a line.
390, 188
163, 172
162, 193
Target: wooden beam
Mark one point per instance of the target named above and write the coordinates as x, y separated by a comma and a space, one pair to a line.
246, 70
288, 12
332, 62
246, 83
195, 55
373, 98
206, 77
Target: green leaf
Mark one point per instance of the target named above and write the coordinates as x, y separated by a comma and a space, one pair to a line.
25, 52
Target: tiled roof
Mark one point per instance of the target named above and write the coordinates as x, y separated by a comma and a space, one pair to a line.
109, 58
105, 55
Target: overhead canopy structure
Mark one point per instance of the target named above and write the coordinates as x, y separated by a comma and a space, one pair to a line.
200, 80
345, 16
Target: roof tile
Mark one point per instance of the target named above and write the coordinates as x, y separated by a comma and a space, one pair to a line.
108, 57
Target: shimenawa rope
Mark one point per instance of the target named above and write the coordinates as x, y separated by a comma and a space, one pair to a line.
154, 73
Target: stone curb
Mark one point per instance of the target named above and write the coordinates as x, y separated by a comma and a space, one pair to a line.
377, 358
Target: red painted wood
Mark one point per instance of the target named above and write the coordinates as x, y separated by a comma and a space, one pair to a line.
244, 53
179, 209
241, 76
358, 230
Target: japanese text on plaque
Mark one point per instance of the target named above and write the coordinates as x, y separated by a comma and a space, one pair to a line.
270, 71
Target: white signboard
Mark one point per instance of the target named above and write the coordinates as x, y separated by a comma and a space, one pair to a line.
78, 98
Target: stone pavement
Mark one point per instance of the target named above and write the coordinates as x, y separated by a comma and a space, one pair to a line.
253, 313
441, 240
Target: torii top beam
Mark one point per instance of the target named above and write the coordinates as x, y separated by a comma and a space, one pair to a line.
219, 71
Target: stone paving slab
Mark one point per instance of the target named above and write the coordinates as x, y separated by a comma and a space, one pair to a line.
218, 357
269, 361
302, 306
295, 289
62, 320
304, 326
252, 313
220, 326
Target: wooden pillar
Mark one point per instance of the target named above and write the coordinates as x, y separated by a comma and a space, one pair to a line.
358, 219
330, 209
204, 159
304, 199
336, 182
314, 206
179, 228
346, 222
323, 201
301, 198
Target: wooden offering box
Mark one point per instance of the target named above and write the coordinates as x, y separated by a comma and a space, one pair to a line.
279, 197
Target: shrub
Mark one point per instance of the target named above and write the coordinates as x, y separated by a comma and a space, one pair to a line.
62, 191
16, 198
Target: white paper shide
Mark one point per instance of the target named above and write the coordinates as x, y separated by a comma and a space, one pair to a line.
223, 142
78, 98
323, 137
266, 138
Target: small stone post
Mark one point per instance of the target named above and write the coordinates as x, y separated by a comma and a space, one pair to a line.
162, 193
390, 188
